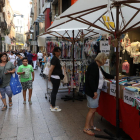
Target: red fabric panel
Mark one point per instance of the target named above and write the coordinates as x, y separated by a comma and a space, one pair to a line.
130, 120
107, 105
129, 116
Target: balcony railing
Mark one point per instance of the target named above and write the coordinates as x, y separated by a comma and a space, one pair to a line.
3, 25
2, 2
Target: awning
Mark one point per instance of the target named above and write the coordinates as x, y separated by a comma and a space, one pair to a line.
7, 40
68, 35
87, 14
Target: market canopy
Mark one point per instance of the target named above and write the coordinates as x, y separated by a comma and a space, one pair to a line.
87, 14
68, 35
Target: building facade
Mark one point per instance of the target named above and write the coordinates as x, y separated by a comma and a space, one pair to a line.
43, 13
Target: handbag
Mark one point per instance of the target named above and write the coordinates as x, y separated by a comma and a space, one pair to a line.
15, 84
46, 69
1, 79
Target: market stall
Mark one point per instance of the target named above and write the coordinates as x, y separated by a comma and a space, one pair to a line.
111, 17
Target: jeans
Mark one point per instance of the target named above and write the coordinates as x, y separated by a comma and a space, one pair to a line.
40, 62
30, 62
34, 64
6, 90
55, 83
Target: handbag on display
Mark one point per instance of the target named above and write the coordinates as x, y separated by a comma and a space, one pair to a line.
15, 84
1, 79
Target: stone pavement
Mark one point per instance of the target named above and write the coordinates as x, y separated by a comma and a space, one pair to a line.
37, 122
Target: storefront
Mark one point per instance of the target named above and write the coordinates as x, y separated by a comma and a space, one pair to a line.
19, 46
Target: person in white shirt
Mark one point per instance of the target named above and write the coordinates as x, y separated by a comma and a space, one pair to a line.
12, 58
40, 56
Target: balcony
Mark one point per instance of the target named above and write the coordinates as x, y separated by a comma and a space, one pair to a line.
3, 25
2, 2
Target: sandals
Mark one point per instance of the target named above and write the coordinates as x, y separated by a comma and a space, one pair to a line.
95, 128
10, 104
4, 108
88, 131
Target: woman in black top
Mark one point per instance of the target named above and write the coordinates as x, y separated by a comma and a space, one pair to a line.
55, 75
94, 82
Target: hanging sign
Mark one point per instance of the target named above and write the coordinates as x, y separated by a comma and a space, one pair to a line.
104, 47
113, 90
128, 97
107, 63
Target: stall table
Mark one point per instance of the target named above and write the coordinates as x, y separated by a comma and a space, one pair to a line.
129, 116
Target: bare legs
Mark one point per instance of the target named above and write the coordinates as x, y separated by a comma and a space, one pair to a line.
24, 95
4, 101
90, 118
30, 94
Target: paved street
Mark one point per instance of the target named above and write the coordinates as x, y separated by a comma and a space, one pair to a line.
37, 122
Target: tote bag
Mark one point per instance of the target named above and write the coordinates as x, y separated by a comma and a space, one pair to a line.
46, 69
15, 84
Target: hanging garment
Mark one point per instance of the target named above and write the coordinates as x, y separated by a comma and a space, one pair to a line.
134, 47
125, 67
126, 44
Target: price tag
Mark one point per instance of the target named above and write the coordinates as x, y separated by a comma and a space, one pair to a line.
113, 90
105, 87
128, 97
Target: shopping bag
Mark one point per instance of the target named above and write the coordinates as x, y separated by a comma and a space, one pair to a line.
15, 84
46, 69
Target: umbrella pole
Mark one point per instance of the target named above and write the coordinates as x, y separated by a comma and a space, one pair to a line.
117, 75
73, 42
111, 136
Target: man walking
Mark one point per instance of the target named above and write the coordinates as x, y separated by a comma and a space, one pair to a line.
29, 57
26, 79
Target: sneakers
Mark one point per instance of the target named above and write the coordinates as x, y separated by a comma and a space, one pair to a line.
55, 109
55, 106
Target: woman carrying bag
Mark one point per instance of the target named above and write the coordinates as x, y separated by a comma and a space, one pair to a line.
95, 76
55, 75
6, 70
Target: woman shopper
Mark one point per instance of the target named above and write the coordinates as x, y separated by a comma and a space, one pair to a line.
55, 75
40, 56
43, 63
34, 58
12, 58
94, 82
6, 69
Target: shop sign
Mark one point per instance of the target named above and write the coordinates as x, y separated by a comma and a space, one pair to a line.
107, 63
128, 97
113, 90
73, 1
105, 87
104, 47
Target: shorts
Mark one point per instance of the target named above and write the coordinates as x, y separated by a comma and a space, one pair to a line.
93, 103
6, 90
27, 85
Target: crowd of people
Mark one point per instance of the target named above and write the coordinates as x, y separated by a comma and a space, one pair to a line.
26, 63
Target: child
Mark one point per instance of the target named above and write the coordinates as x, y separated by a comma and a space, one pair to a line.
26, 79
